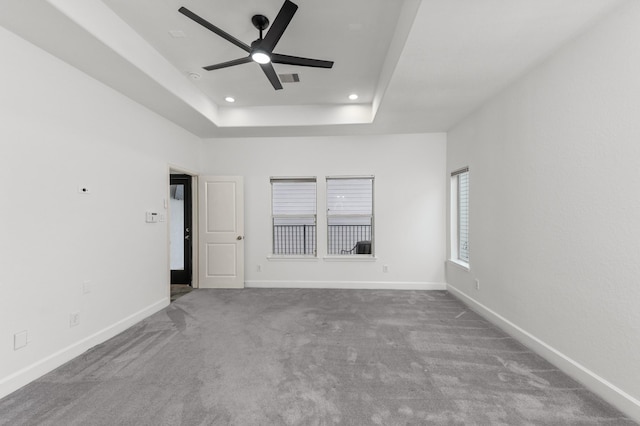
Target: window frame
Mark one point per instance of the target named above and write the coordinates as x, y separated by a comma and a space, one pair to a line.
351, 256
314, 217
456, 255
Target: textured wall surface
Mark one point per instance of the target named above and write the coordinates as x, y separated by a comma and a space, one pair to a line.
61, 129
554, 208
409, 204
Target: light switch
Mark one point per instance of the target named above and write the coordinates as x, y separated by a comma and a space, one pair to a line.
151, 217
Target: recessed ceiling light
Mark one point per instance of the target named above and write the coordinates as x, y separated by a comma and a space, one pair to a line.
353, 96
229, 99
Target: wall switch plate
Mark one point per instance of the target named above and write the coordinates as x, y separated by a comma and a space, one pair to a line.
74, 319
151, 217
477, 284
19, 340
259, 268
385, 268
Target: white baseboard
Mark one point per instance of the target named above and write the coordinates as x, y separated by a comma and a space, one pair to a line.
598, 385
38, 369
351, 285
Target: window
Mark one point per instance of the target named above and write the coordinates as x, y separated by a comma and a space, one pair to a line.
293, 215
349, 215
460, 215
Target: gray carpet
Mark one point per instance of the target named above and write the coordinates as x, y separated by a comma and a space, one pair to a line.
309, 357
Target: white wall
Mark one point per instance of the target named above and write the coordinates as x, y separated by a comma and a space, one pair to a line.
61, 129
555, 208
409, 205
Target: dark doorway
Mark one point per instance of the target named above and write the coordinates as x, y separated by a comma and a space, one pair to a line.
180, 208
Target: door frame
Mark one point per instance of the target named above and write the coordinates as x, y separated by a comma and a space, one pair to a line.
173, 169
184, 275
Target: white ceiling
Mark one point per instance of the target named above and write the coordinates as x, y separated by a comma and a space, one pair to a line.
417, 65
356, 42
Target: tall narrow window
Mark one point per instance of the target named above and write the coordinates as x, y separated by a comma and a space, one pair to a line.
350, 215
460, 215
294, 216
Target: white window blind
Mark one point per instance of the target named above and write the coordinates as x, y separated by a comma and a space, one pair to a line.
462, 219
463, 214
349, 196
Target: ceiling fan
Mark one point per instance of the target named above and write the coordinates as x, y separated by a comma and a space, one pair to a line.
261, 50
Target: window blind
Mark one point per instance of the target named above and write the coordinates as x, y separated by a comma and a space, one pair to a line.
349, 196
293, 197
463, 215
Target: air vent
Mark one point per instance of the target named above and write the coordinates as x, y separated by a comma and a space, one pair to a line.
289, 78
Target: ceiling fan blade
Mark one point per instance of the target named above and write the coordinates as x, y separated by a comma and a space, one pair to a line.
303, 62
208, 25
280, 24
239, 61
271, 75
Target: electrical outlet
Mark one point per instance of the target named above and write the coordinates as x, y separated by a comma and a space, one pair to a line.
477, 284
259, 268
20, 340
86, 287
74, 319
385, 268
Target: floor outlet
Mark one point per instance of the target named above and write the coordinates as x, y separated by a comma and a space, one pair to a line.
74, 319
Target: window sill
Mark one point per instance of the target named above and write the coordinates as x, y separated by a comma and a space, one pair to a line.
350, 258
460, 264
292, 258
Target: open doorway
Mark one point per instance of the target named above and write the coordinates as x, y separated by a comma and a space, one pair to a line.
180, 234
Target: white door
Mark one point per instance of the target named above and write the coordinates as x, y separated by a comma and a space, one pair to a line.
221, 229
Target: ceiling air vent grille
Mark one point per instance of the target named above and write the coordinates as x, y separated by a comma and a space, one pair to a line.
289, 78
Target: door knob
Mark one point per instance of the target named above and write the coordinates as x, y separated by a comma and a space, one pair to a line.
239, 237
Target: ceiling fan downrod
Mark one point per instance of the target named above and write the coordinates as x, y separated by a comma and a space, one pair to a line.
261, 22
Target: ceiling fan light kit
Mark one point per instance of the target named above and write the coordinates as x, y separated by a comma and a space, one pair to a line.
261, 50
260, 57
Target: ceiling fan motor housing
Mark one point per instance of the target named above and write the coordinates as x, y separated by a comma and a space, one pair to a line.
261, 22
